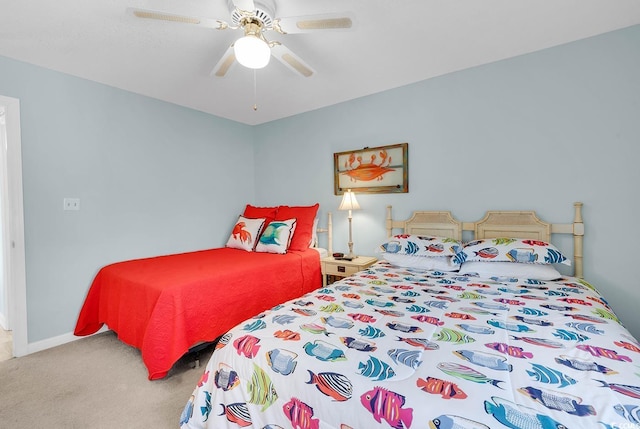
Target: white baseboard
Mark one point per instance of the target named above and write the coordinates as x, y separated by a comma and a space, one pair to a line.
39, 346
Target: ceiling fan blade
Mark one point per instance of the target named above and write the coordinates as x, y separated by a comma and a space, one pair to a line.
163, 16
291, 60
244, 5
311, 23
225, 63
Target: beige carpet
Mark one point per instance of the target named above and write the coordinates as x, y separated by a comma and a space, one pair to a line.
95, 382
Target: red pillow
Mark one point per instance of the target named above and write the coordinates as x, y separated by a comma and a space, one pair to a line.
253, 212
305, 215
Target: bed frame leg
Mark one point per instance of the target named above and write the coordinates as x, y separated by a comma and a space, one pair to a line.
196, 351
578, 236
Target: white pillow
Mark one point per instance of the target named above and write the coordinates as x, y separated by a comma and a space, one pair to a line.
510, 269
314, 234
276, 236
440, 263
245, 233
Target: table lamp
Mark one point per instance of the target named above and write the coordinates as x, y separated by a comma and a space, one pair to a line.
349, 202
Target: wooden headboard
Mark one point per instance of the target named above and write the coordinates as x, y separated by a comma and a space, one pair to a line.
495, 224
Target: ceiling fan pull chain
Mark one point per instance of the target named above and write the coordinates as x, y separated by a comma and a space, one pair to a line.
255, 101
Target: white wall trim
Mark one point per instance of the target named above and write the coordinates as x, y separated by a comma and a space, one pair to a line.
17, 288
59, 340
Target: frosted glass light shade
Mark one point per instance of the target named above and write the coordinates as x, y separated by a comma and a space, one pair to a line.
252, 52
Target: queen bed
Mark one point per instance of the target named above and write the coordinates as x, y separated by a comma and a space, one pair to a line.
438, 341
165, 305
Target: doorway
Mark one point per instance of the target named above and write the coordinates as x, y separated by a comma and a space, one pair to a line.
13, 305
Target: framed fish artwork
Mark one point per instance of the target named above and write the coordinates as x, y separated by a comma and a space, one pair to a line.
382, 169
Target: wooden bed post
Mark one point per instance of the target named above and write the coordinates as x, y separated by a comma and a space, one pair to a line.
578, 235
330, 233
389, 222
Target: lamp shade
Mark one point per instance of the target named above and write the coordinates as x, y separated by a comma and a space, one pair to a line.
252, 52
349, 201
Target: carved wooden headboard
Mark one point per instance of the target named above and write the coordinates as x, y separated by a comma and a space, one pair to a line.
495, 224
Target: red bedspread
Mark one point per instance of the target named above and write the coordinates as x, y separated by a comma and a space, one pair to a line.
166, 304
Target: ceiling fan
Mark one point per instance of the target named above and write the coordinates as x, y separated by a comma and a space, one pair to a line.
255, 17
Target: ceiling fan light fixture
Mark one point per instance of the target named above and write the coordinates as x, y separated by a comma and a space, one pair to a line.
252, 52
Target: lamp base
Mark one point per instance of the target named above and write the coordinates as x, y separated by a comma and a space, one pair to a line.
350, 255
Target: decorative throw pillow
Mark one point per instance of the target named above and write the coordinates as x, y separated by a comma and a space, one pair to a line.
276, 236
245, 233
304, 216
421, 245
511, 250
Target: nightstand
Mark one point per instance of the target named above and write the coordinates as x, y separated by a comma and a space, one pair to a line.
339, 268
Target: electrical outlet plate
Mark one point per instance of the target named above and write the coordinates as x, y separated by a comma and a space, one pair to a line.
71, 204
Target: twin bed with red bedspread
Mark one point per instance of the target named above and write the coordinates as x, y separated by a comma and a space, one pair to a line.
164, 305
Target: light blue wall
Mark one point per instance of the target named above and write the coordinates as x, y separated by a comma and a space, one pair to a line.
152, 177
534, 132
539, 131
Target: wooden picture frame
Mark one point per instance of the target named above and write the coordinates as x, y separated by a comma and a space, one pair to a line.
382, 169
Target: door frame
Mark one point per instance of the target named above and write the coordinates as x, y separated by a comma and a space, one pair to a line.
13, 225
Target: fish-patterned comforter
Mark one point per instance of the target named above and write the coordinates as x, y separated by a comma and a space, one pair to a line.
399, 348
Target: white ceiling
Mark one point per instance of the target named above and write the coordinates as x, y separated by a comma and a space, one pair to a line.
393, 43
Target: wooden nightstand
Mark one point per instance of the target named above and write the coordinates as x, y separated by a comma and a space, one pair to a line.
339, 268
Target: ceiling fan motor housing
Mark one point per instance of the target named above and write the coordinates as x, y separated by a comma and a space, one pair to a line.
264, 12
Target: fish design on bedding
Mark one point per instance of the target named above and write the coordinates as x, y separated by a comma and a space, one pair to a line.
488, 360
376, 369
558, 401
237, 413
513, 351
547, 375
630, 412
436, 386
260, 389
226, 378
519, 417
282, 361
324, 351
543, 342
387, 405
336, 386
452, 336
300, 414
465, 353
632, 391
465, 373
247, 345
603, 352
584, 365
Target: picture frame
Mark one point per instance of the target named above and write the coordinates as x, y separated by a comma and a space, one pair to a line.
382, 169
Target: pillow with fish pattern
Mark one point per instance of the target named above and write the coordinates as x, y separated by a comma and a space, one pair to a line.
511, 250
245, 233
421, 245
277, 236
500, 270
